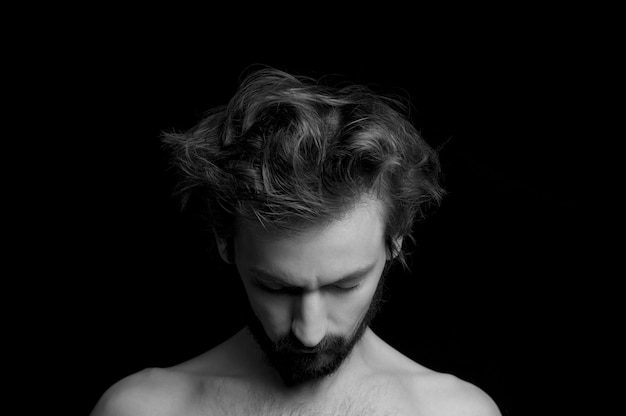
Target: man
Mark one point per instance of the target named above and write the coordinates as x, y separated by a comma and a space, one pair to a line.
310, 192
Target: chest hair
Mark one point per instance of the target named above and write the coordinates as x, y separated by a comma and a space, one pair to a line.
367, 401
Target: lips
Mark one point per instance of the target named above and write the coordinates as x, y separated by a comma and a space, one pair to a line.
308, 350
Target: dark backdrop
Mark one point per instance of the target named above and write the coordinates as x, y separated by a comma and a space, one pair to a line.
490, 297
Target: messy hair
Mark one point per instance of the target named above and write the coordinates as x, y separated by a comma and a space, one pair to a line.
289, 152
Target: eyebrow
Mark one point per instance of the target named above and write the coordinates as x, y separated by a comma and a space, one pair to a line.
268, 277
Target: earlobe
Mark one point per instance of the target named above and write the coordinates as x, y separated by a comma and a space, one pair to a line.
222, 247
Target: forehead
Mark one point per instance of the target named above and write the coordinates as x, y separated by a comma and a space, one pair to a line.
321, 251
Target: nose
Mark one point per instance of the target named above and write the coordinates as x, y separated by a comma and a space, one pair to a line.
309, 319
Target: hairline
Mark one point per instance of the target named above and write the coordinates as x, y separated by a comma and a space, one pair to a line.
300, 225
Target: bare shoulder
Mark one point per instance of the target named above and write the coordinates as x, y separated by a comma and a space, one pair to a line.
447, 395
154, 391
430, 392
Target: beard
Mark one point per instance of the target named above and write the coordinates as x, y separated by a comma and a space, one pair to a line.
297, 364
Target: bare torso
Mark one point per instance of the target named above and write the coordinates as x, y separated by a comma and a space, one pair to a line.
233, 397
232, 379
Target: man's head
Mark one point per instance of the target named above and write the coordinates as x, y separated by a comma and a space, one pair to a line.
310, 191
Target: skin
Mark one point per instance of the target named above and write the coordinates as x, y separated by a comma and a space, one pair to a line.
234, 377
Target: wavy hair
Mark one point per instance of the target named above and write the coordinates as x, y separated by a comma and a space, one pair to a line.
289, 152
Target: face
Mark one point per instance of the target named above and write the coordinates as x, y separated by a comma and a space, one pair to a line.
311, 294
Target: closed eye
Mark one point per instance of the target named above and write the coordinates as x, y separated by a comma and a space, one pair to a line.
296, 291
273, 284
276, 290
343, 288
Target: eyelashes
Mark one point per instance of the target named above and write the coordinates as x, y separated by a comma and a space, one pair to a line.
298, 291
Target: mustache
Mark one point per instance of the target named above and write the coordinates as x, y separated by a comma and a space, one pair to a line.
290, 344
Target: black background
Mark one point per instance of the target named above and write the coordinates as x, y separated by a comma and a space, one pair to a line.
491, 297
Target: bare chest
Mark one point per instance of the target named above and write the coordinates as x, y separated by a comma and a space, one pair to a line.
369, 399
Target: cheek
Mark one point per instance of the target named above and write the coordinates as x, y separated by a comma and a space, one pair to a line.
273, 312
348, 312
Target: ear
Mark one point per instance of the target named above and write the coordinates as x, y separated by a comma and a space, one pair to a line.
222, 248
